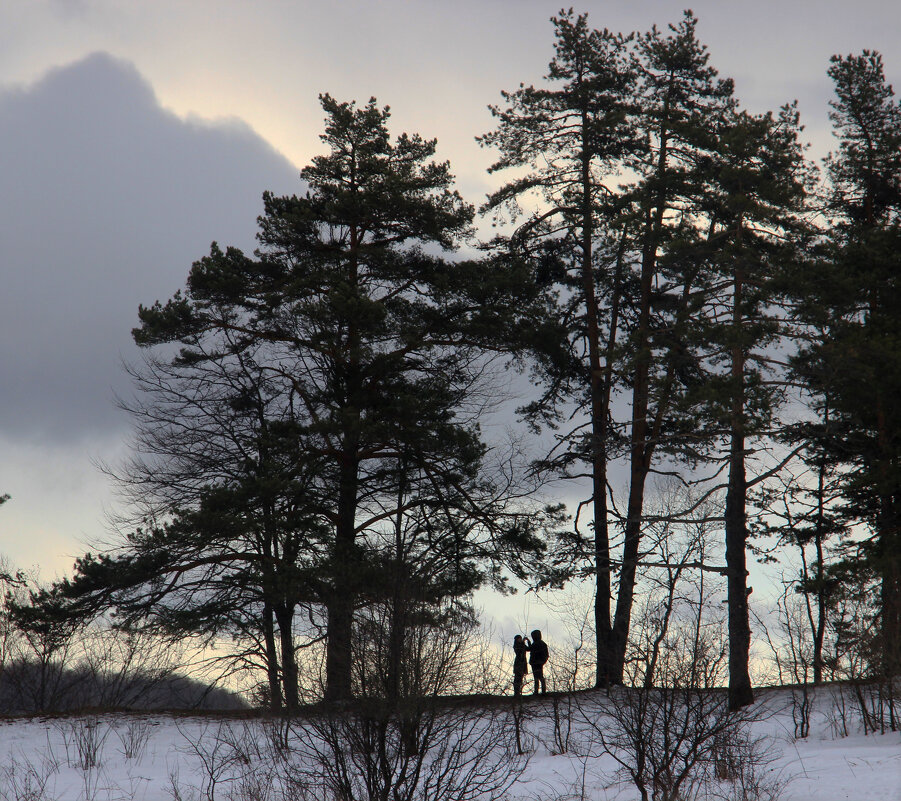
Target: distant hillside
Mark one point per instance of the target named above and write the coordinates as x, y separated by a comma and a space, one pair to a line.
26, 688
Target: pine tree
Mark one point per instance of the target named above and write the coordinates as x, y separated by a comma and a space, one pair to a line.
857, 301
757, 191
372, 347
573, 135
682, 101
624, 263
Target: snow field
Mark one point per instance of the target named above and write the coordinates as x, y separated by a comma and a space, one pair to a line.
125, 757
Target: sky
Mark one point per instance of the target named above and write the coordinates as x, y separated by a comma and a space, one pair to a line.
133, 133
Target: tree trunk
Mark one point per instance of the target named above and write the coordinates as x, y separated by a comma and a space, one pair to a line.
638, 448
338, 686
339, 652
626, 592
819, 631
890, 590
606, 657
339, 648
285, 617
891, 607
397, 618
640, 453
396, 639
740, 691
888, 549
272, 661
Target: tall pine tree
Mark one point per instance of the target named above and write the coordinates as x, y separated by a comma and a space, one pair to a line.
757, 189
682, 100
573, 136
373, 345
858, 302
624, 263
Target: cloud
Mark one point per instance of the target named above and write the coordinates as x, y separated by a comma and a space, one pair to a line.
107, 199
68, 9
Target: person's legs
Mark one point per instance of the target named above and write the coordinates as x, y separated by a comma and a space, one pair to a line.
517, 683
538, 675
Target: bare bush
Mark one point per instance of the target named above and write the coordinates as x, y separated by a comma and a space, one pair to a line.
218, 758
839, 713
9, 584
675, 741
38, 648
89, 736
440, 651
122, 669
417, 752
22, 780
878, 706
405, 740
133, 738
794, 654
746, 770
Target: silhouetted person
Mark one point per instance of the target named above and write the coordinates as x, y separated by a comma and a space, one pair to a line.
537, 657
520, 668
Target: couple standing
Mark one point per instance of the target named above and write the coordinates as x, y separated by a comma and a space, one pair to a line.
538, 654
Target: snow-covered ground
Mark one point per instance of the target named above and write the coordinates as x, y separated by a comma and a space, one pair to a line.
148, 757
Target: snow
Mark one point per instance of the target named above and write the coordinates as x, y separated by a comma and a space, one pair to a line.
855, 767
114, 757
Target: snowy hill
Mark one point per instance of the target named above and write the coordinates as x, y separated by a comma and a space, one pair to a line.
147, 757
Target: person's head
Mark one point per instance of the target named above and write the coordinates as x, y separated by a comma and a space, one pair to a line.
536, 635
517, 639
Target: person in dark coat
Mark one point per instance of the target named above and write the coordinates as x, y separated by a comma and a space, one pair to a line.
538, 655
520, 668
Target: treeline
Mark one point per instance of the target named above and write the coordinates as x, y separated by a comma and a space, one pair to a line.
65, 666
690, 296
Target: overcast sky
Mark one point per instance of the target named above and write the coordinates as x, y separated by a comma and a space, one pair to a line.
135, 132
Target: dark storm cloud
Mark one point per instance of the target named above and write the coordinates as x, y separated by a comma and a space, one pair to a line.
106, 200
